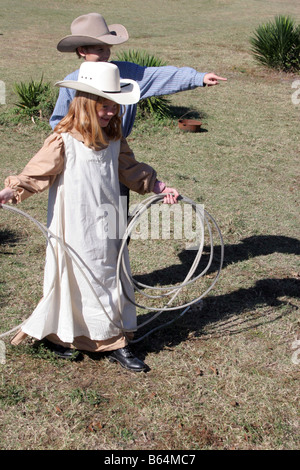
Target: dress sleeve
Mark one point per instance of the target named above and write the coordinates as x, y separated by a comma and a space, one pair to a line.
138, 177
40, 172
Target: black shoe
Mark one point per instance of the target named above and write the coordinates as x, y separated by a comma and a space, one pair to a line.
61, 351
127, 359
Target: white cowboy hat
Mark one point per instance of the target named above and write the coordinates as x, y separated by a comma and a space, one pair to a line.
103, 79
91, 30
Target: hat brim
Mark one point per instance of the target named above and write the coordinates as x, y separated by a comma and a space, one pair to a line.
118, 34
129, 93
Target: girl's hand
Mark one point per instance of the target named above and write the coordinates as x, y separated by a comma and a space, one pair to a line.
6, 195
171, 196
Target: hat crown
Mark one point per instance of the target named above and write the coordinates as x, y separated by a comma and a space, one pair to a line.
92, 24
103, 79
91, 30
101, 75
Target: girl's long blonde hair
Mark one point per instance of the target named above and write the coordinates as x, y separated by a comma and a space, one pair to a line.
83, 117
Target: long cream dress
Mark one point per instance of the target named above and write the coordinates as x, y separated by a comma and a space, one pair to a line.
85, 211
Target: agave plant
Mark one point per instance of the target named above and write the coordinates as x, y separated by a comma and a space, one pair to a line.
154, 105
277, 44
29, 93
35, 98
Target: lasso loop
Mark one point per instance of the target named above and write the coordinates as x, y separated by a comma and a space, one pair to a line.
205, 220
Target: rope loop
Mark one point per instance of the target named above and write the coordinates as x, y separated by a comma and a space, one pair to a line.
206, 221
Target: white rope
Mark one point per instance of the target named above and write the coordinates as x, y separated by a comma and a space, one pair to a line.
203, 217
201, 214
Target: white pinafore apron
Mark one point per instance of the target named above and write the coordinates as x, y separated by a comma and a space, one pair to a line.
83, 210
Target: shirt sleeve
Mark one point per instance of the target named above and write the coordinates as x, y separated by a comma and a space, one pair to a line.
164, 80
41, 171
64, 99
138, 177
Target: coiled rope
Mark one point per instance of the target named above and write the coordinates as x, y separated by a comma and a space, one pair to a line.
205, 220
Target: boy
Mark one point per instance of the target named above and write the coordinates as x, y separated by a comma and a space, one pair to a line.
91, 38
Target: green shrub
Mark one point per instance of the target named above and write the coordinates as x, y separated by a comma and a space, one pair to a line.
36, 99
277, 44
158, 106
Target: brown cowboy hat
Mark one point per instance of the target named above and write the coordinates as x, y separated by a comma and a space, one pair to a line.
91, 30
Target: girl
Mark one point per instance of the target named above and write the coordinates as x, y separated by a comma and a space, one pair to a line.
82, 163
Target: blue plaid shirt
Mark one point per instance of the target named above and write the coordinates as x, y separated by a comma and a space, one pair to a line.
153, 81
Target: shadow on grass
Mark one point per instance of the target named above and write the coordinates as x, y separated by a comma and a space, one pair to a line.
251, 247
178, 112
265, 292
9, 237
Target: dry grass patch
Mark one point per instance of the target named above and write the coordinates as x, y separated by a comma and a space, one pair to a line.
224, 376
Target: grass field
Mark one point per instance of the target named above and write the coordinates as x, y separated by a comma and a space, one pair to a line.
223, 377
